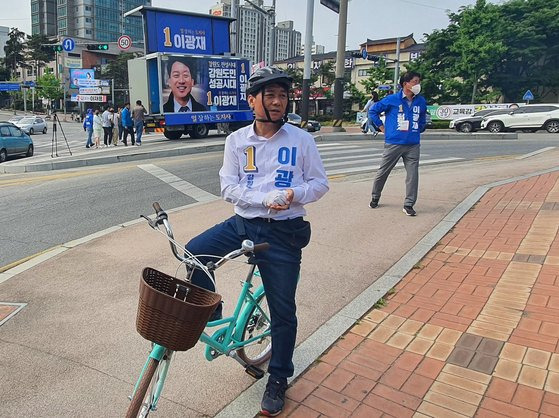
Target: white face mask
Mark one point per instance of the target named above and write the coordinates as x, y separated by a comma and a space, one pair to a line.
416, 89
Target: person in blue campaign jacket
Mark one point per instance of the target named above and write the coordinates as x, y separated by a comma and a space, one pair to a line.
88, 127
404, 121
127, 124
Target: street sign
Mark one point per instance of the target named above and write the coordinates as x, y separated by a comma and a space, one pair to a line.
528, 96
90, 90
333, 5
9, 87
364, 53
68, 44
124, 42
88, 98
384, 87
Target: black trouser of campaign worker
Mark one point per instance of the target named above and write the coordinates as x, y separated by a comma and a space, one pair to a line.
128, 130
107, 135
279, 267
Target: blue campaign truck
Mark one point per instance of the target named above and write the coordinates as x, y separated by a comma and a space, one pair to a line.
187, 79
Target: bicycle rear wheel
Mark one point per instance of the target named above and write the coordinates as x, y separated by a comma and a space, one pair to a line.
257, 322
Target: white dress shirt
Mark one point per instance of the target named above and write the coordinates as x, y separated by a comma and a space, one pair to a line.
254, 165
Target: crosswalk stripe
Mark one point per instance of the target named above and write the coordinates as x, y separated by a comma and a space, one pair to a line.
179, 184
329, 148
329, 144
351, 157
345, 151
365, 169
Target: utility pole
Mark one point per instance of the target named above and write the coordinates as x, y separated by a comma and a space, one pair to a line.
397, 65
340, 58
307, 72
234, 15
273, 34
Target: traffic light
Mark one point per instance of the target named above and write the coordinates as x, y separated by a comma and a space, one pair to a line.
374, 58
98, 47
57, 48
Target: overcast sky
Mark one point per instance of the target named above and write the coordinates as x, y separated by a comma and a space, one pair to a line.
373, 19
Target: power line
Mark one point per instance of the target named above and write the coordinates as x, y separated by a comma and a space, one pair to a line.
423, 5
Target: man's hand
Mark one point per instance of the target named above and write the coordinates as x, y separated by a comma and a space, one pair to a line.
381, 128
289, 199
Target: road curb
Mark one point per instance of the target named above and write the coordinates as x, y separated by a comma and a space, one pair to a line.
109, 159
325, 336
426, 136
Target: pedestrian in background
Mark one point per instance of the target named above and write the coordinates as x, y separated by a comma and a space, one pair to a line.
127, 124
120, 126
138, 116
97, 128
107, 128
88, 127
369, 125
404, 121
115, 123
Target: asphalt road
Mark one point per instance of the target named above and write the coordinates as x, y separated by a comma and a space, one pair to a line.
43, 210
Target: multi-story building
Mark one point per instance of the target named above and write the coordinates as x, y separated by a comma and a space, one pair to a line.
43, 17
4, 32
254, 31
316, 49
288, 41
98, 20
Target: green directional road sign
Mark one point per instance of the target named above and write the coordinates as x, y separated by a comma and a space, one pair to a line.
98, 47
57, 48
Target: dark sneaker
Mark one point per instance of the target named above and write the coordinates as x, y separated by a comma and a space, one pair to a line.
374, 203
408, 210
274, 397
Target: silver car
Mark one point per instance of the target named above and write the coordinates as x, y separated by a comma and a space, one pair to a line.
32, 124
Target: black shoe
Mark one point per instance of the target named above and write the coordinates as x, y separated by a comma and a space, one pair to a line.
274, 397
374, 203
408, 210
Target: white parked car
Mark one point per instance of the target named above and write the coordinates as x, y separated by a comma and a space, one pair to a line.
529, 117
32, 124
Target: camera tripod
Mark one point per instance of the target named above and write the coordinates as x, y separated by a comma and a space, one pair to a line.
54, 144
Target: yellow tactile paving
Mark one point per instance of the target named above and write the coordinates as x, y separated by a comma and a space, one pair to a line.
518, 276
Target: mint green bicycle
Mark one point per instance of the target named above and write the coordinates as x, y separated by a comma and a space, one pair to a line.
173, 313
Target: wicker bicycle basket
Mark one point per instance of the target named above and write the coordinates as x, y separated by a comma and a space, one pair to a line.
172, 312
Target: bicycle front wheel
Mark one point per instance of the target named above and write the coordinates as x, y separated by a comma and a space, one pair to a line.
256, 323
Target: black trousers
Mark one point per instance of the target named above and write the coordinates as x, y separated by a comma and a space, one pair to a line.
108, 135
128, 130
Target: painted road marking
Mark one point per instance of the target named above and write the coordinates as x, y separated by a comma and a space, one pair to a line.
179, 184
531, 154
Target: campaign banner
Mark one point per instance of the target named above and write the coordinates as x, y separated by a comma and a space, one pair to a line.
92, 83
88, 98
185, 33
451, 112
200, 84
79, 75
90, 90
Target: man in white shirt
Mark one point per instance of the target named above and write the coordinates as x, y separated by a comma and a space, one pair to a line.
106, 117
270, 170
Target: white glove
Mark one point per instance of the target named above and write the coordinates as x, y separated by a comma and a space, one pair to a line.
275, 197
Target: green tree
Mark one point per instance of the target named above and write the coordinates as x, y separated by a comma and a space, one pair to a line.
49, 87
14, 51
492, 50
117, 70
39, 51
378, 74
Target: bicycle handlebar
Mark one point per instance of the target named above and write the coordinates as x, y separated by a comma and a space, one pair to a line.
247, 247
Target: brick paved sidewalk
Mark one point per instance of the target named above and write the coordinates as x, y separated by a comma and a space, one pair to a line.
472, 330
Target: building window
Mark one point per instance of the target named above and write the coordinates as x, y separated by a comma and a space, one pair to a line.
362, 73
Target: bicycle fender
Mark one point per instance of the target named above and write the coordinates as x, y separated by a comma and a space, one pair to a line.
243, 316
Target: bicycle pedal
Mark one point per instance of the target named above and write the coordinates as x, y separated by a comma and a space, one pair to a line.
255, 372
